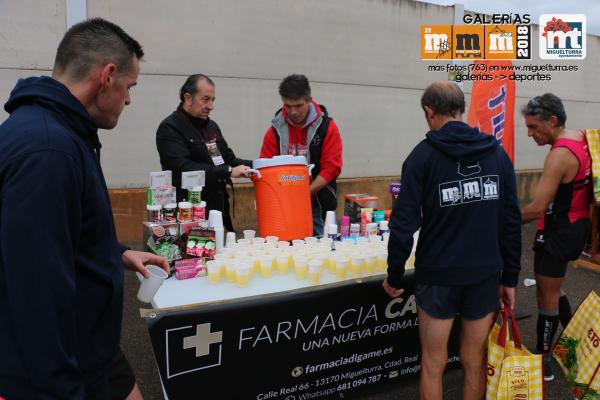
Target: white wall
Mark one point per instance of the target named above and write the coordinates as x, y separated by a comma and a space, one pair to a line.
362, 57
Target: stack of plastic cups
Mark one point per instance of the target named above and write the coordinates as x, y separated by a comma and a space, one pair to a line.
215, 221
230, 239
258, 240
329, 219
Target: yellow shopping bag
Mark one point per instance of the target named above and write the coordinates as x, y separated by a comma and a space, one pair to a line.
513, 373
578, 350
593, 140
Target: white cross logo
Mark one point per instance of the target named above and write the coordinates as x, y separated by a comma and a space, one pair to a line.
202, 340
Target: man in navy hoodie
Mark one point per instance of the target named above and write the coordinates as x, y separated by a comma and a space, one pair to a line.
61, 267
459, 188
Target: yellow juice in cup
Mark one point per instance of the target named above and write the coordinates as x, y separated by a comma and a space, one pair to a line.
242, 276
214, 273
341, 268
370, 264
230, 267
355, 268
382, 262
410, 263
358, 265
313, 276
266, 266
282, 263
301, 268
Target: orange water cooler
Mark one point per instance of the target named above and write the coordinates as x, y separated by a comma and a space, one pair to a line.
283, 197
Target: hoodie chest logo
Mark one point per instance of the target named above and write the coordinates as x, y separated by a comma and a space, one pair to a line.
469, 169
469, 190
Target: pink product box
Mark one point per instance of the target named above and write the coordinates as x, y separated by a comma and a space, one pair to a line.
189, 268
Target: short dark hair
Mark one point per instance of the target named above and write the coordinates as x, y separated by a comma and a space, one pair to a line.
93, 43
295, 87
191, 84
544, 107
444, 98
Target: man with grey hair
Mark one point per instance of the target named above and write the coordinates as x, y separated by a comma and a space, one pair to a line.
61, 266
561, 208
459, 187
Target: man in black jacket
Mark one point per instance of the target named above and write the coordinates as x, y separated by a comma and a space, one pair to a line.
188, 140
459, 187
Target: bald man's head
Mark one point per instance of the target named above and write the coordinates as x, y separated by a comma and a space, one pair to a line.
444, 98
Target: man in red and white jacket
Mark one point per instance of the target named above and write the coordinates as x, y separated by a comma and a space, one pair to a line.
303, 127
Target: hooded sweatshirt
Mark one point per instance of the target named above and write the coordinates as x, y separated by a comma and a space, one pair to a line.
61, 272
330, 162
459, 188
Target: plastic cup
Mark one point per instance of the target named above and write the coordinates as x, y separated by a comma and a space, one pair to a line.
298, 242
150, 285
230, 270
357, 265
314, 273
382, 261
244, 242
529, 282
326, 240
282, 262
249, 234
266, 266
362, 240
410, 263
374, 238
213, 268
311, 240
229, 239
370, 263
282, 243
242, 274
258, 240
272, 239
301, 267
341, 267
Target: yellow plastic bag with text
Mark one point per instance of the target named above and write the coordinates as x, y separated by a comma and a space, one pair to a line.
513, 373
578, 350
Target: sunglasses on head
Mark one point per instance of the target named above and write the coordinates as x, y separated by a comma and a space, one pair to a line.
535, 104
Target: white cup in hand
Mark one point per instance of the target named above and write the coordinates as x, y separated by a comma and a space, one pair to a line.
150, 285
